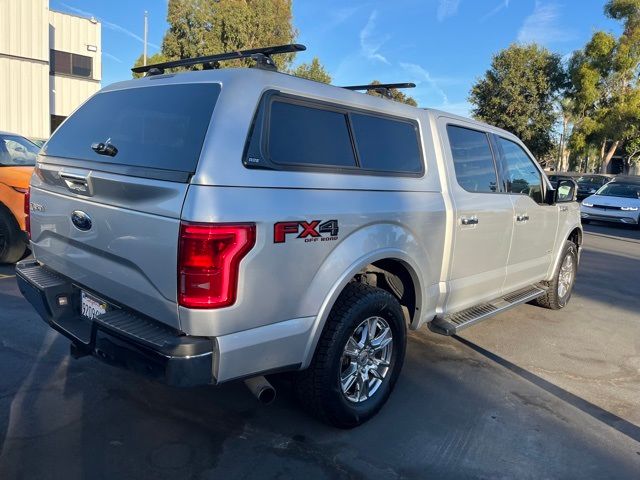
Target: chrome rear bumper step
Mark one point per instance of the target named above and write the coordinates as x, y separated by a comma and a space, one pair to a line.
455, 322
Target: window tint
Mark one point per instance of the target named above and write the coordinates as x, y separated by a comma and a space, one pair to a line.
70, 64
473, 159
521, 175
385, 144
301, 135
158, 127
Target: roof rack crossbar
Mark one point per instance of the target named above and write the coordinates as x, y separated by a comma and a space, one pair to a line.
382, 88
262, 56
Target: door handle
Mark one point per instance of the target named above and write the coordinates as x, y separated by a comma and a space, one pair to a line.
473, 220
522, 217
564, 209
75, 183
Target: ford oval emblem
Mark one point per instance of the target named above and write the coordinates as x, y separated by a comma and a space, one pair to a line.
81, 220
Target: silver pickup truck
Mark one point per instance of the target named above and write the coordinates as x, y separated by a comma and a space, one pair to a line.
216, 225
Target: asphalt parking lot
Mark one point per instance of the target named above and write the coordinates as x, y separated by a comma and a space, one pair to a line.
529, 394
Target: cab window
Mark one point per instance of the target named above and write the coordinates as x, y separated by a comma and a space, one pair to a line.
520, 173
472, 159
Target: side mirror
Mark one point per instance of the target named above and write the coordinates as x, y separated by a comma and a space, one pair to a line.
567, 191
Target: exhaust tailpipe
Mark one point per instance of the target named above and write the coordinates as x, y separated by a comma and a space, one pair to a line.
261, 389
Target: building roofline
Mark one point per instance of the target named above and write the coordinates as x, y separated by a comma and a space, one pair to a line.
84, 17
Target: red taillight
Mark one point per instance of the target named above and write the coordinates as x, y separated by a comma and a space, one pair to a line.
209, 258
27, 213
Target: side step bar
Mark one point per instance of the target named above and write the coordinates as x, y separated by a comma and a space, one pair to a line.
452, 324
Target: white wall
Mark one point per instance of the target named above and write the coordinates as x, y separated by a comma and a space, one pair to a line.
73, 34
24, 67
28, 94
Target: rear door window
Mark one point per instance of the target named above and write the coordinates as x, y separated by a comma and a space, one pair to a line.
385, 144
472, 159
161, 127
302, 135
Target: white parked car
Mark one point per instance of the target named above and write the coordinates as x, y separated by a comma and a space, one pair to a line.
618, 201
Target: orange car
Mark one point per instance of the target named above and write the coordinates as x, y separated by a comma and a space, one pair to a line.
17, 159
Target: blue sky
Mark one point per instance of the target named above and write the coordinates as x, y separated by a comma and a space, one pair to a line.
441, 45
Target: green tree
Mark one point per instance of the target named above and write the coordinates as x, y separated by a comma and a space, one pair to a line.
604, 85
518, 93
204, 27
396, 95
312, 71
207, 27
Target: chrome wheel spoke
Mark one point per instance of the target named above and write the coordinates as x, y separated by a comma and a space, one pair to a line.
352, 349
366, 359
382, 340
372, 324
373, 371
349, 377
363, 386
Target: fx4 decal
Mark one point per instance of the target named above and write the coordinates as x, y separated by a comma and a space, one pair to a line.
313, 231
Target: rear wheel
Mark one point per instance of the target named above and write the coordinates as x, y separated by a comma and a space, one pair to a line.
12, 244
358, 358
561, 287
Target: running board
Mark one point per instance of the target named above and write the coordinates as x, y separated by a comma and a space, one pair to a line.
453, 323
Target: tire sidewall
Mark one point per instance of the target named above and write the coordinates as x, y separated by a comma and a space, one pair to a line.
381, 304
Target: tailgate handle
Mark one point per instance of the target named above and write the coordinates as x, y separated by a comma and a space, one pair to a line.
75, 183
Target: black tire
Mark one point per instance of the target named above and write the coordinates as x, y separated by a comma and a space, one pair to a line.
12, 240
319, 388
552, 299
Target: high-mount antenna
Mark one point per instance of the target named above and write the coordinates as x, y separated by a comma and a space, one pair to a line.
262, 56
382, 88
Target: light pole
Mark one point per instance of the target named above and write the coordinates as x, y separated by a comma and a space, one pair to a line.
146, 30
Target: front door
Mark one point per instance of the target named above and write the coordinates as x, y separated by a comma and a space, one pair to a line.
483, 216
535, 222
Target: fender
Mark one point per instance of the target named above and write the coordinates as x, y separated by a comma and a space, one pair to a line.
567, 229
374, 239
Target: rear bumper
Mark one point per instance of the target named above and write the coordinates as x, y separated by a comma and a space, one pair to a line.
119, 337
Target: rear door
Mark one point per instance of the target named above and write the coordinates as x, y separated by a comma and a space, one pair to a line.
484, 218
535, 222
123, 161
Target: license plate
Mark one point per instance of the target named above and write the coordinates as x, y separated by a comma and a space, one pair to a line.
91, 307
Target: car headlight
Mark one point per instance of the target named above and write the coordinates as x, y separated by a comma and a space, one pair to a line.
587, 204
629, 209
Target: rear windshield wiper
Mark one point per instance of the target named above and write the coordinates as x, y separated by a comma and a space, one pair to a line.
105, 149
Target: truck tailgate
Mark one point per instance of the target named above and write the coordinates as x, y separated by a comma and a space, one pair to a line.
128, 255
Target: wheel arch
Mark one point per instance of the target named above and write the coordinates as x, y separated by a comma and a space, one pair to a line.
575, 235
391, 260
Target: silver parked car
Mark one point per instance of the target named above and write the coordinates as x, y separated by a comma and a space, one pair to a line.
216, 225
618, 201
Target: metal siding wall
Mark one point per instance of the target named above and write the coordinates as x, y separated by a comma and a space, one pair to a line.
69, 93
72, 34
24, 86
24, 97
28, 94
24, 28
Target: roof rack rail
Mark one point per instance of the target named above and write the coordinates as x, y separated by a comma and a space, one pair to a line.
262, 56
382, 88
